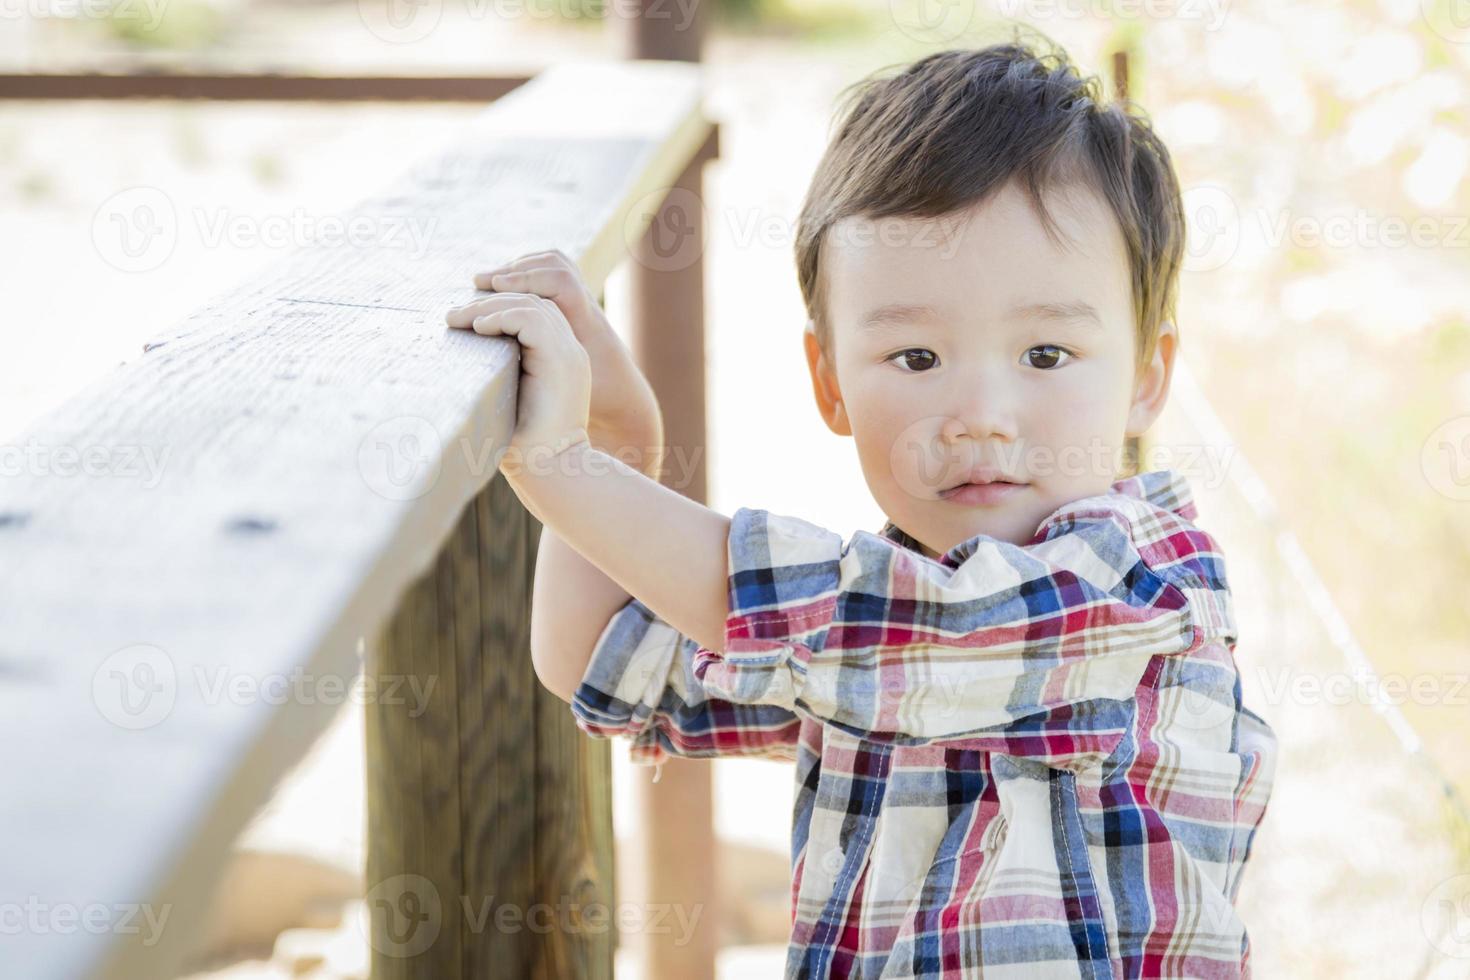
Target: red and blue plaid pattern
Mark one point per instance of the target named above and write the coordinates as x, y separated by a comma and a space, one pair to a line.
1022, 761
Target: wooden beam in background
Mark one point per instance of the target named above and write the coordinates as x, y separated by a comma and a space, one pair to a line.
265, 87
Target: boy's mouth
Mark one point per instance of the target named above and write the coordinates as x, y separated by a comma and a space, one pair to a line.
980, 476
982, 487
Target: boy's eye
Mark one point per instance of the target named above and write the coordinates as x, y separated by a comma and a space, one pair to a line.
1048, 358
914, 357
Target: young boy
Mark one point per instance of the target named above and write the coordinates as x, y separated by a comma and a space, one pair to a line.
1016, 719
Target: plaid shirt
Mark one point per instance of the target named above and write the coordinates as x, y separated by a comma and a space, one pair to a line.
1011, 761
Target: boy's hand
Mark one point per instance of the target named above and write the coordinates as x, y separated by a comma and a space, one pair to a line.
556, 376
622, 412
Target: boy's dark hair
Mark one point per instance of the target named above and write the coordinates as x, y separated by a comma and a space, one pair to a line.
953, 127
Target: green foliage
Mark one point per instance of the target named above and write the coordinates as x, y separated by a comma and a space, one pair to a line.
1452, 342
175, 24
35, 186
806, 19
583, 11
267, 168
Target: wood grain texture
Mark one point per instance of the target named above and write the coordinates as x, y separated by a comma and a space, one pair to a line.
320, 433
490, 814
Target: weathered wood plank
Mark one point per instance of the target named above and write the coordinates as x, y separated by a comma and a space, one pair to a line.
486, 804
501, 825
574, 849
309, 429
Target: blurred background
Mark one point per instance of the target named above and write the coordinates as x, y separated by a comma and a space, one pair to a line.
1325, 327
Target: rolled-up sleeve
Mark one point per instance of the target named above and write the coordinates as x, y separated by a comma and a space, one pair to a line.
1028, 649
640, 683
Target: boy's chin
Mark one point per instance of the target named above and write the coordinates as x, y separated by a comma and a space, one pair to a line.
1013, 528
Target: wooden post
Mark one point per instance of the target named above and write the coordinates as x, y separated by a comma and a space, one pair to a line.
1133, 445
490, 813
1120, 74
658, 31
493, 819
674, 860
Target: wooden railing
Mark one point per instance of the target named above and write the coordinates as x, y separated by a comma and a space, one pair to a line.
174, 636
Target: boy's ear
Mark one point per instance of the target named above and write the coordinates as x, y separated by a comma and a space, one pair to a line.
1152, 389
824, 384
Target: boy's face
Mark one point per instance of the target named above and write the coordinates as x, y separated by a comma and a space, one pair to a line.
1008, 373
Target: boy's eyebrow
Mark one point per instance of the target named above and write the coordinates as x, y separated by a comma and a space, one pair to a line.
1079, 311
894, 314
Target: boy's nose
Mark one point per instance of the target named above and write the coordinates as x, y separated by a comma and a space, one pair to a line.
982, 413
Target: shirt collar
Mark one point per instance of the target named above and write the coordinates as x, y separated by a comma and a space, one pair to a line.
1167, 488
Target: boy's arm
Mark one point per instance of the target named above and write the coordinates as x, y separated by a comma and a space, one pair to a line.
625, 671
652, 542
572, 599
641, 684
